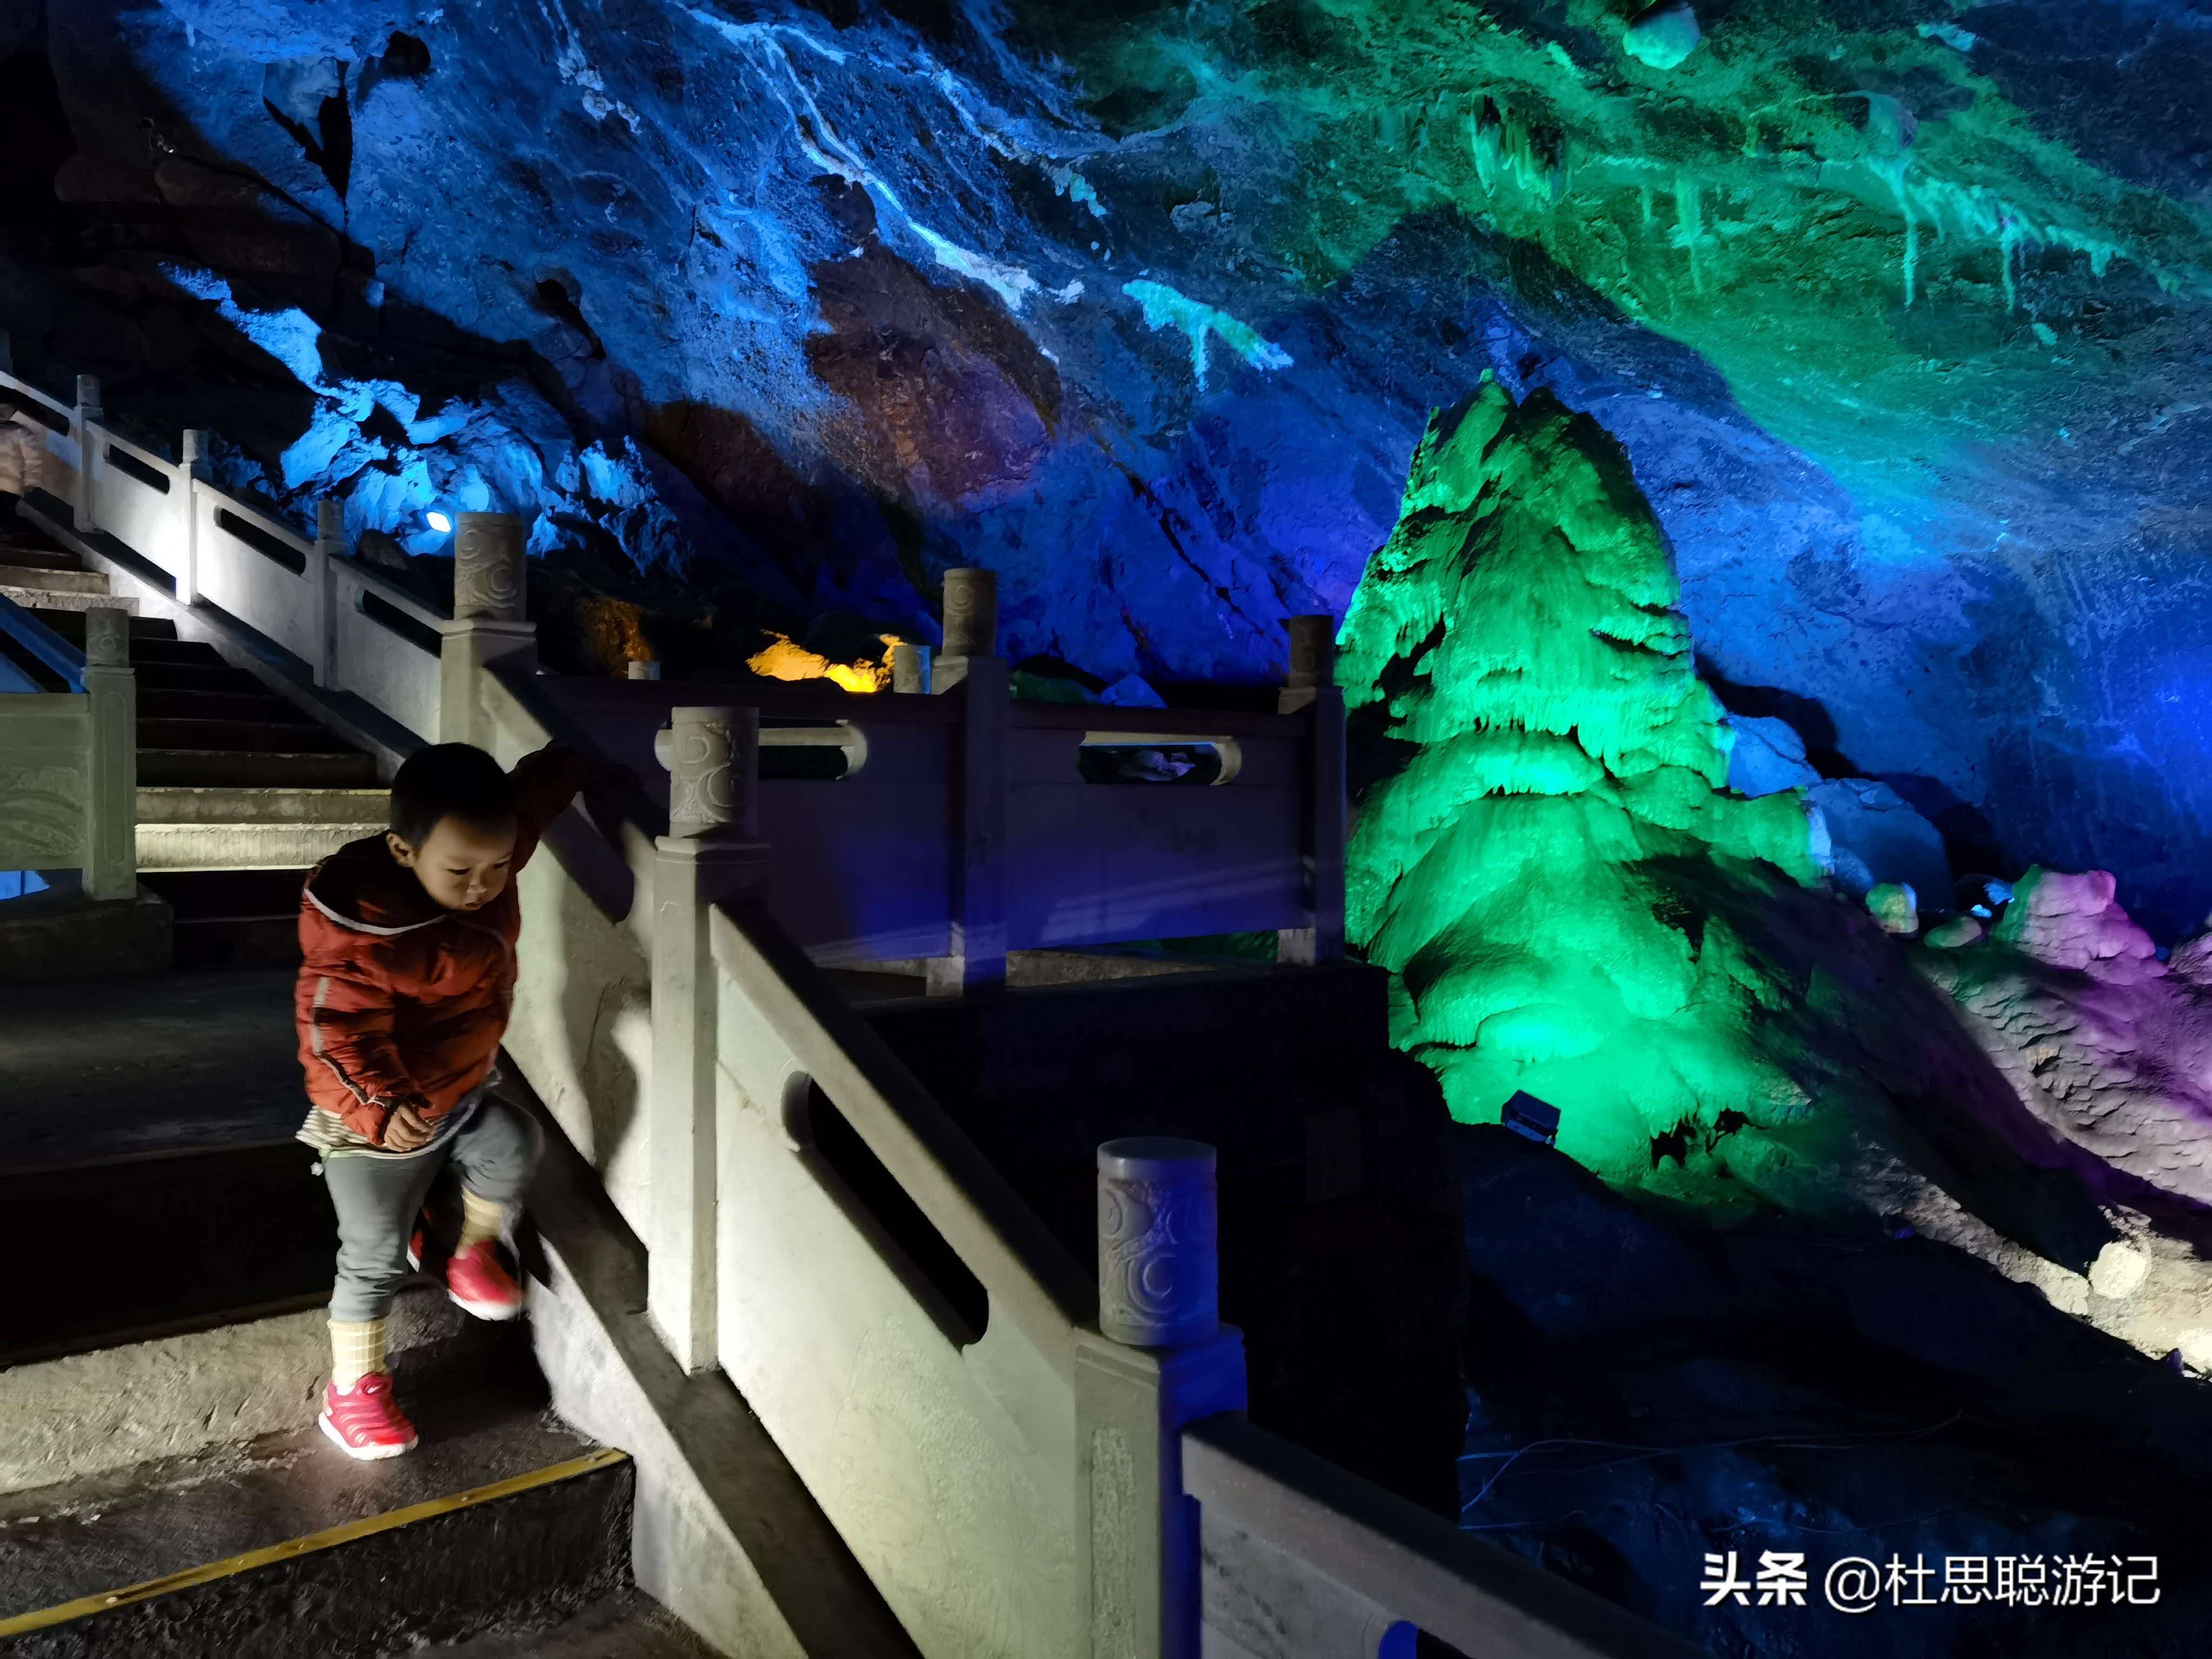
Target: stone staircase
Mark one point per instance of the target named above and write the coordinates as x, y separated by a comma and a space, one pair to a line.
239, 790
163, 1491
506, 1532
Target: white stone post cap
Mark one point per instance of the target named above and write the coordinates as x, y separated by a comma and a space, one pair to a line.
1153, 1157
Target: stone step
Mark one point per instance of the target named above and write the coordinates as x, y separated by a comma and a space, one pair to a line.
49, 579
232, 917
170, 847
195, 1236
297, 736
216, 675
266, 807
248, 702
164, 767
18, 548
502, 1518
165, 1063
43, 598
628, 1624
68, 621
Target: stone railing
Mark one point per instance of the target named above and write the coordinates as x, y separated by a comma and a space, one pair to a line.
191, 546
68, 760
1300, 1559
1015, 1449
967, 824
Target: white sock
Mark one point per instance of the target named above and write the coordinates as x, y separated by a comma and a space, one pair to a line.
480, 1220
357, 1349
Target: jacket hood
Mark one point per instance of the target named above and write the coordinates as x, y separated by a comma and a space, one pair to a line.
362, 888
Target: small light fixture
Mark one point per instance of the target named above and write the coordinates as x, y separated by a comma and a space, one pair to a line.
438, 521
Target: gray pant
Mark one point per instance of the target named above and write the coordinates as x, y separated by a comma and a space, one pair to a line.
496, 1150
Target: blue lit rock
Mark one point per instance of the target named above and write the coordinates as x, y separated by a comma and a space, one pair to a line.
1874, 837
1663, 36
809, 303
1767, 758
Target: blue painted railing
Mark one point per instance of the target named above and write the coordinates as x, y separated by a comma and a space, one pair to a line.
42, 643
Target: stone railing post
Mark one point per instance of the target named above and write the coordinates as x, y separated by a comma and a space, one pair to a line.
193, 453
1159, 1360
111, 860
488, 625
89, 414
711, 852
1313, 661
329, 543
977, 959
1312, 684
910, 668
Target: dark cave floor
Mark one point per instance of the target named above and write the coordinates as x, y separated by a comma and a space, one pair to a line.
1647, 1390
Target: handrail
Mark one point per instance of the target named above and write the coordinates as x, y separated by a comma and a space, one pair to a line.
144, 456
260, 520
1415, 1566
1021, 1263
59, 407
42, 642
370, 579
1168, 725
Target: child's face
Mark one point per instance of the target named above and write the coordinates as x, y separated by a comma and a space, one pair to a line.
461, 865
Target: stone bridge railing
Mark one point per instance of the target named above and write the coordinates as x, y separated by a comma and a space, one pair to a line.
1030, 1459
340, 624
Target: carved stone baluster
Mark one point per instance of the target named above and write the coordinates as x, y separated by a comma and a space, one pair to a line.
489, 628
1313, 661
976, 959
910, 668
1159, 1273
1160, 1359
709, 855
1312, 686
329, 543
110, 861
193, 451
488, 568
971, 613
714, 759
89, 414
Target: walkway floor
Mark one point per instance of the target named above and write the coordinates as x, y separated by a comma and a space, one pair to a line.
96, 1069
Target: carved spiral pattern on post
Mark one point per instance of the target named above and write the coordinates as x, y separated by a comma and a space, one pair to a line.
711, 756
1159, 1266
488, 567
1313, 650
106, 638
971, 613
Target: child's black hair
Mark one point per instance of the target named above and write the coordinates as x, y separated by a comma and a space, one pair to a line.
448, 781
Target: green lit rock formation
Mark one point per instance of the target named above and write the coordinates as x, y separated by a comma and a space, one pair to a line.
1522, 874
1547, 858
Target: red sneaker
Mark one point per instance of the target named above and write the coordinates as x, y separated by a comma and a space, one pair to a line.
363, 1421
480, 1283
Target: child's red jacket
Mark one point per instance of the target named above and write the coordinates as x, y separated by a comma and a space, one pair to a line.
402, 1002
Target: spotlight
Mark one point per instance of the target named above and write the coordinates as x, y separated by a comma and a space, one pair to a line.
438, 521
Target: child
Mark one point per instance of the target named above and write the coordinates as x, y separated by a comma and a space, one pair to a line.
408, 942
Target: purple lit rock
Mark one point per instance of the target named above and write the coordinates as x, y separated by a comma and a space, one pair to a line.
2073, 921
2107, 1047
